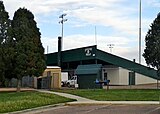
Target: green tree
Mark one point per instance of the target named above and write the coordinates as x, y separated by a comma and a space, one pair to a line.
4, 26
29, 58
152, 49
9, 52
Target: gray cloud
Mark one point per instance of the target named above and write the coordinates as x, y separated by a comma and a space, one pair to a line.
99, 12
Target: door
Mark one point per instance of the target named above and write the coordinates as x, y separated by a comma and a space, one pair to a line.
131, 78
105, 76
55, 80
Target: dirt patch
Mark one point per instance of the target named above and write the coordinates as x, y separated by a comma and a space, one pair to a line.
14, 89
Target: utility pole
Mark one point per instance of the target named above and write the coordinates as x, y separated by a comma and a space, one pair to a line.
95, 35
140, 17
47, 49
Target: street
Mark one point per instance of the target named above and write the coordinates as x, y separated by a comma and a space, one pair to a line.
103, 109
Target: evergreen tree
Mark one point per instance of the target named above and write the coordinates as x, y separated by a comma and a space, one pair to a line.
152, 50
29, 58
10, 54
4, 26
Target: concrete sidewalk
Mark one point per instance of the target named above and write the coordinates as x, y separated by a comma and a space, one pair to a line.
79, 99
85, 101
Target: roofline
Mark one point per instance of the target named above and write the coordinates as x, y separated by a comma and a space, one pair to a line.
74, 49
126, 59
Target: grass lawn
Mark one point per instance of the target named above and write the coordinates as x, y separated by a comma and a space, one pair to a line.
13, 101
116, 95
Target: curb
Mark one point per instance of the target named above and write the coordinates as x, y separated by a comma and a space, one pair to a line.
38, 109
114, 103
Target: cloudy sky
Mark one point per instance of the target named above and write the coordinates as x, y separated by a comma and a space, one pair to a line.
116, 22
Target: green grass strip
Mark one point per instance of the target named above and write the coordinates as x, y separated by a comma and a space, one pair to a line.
15, 101
116, 95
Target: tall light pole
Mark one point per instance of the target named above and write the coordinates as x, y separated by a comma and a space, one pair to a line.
96, 35
47, 49
140, 17
61, 22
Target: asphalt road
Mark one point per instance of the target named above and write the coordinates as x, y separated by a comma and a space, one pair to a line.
103, 109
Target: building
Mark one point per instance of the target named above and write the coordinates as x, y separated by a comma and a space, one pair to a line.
50, 79
118, 70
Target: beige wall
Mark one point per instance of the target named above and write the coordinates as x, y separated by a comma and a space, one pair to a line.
113, 75
123, 76
55, 76
141, 79
120, 76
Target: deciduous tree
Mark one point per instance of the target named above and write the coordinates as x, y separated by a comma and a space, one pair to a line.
152, 49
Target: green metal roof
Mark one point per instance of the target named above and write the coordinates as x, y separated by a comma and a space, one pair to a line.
51, 58
88, 69
92, 53
78, 54
72, 55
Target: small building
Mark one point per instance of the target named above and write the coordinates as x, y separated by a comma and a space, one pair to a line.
118, 70
87, 76
51, 78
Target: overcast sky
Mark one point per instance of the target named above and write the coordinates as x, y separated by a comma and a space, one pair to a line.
116, 21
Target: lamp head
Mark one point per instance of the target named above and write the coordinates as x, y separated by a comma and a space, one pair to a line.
61, 16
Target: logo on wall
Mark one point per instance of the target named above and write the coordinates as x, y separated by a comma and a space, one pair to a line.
88, 51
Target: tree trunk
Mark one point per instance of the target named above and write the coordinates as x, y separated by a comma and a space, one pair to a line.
18, 85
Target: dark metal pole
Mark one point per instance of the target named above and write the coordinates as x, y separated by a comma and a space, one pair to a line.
157, 84
59, 51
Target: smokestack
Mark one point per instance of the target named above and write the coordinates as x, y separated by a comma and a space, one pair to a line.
59, 50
